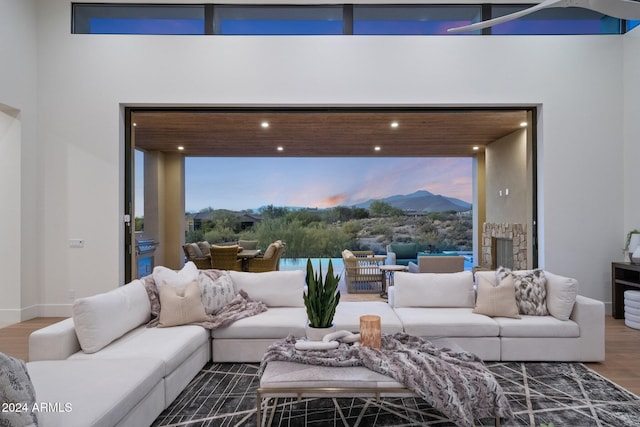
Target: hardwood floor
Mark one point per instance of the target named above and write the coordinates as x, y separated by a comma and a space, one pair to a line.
622, 363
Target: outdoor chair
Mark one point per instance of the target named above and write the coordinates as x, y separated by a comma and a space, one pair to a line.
225, 258
270, 261
195, 252
362, 272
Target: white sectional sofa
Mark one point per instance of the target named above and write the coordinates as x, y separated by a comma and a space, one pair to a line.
114, 371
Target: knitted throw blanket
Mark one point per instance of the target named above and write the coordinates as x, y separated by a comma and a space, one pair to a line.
455, 383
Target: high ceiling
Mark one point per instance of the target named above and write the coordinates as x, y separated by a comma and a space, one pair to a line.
322, 132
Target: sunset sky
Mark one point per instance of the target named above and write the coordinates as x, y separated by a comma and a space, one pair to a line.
252, 182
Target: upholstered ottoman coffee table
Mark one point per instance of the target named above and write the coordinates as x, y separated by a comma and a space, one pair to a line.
283, 379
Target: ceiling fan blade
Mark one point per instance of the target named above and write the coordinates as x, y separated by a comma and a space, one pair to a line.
622, 9
510, 17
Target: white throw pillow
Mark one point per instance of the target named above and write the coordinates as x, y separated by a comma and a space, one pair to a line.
434, 289
176, 279
103, 318
274, 288
561, 295
216, 293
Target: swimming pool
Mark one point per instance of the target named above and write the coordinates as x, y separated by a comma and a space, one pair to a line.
289, 264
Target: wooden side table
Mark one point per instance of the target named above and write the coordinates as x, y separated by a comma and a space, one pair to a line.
624, 276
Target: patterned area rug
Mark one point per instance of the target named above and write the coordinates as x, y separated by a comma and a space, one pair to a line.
567, 394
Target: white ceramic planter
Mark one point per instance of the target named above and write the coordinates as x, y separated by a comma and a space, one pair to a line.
316, 334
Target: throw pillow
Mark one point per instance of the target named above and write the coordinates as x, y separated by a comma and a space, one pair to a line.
16, 389
205, 248
176, 279
561, 295
181, 308
499, 300
531, 290
216, 293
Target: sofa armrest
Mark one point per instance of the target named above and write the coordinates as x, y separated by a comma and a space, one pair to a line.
54, 342
589, 314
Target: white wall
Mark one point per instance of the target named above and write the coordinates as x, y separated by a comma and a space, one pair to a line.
83, 80
20, 226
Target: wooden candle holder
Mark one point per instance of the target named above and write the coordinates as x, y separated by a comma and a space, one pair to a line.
370, 331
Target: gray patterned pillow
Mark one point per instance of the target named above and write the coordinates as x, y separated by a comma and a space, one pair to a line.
16, 392
531, 290
216, 293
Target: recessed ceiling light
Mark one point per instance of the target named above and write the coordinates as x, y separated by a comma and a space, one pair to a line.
265, 125
523, 124
280, 148
135, 124
476, 148
180, 147
377, 148
394, 124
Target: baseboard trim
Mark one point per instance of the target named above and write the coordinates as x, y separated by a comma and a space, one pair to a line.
11, 316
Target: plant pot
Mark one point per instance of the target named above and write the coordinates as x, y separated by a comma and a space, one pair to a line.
316, 334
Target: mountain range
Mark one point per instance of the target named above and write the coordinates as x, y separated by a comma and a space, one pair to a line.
422, 201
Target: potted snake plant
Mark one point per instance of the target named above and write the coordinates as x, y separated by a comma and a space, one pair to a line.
321, 299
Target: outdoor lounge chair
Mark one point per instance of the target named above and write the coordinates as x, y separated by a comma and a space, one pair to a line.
362, 272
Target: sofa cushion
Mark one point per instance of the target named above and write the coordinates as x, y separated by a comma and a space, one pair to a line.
531, 290
274, 288
498, 300
446, 322
94, 392
537, 327
102, 318
193, 250
216, 293
177, 279
181, 307
275, 323
16, 387
172, 346
561, 295
348, 314
205, 248
434, 289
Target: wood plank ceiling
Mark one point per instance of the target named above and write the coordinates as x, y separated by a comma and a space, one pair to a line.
322, 132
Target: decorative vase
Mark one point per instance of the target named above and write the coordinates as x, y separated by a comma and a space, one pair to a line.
316, 334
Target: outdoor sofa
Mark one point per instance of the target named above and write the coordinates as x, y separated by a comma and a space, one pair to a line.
125, 373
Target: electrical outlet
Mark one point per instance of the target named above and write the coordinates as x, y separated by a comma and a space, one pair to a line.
76, 243
72, 294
